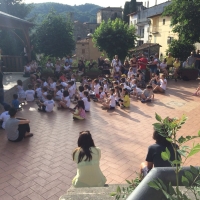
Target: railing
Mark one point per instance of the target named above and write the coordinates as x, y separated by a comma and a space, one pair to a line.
155, 29
13, 63
166, 174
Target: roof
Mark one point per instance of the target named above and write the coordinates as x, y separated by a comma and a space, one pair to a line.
145, 46
131, 14
6, 15
112, 8
83, 41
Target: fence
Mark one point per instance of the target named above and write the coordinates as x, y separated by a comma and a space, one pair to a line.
13, 63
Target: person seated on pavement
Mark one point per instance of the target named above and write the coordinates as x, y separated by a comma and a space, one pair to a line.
162, 86
87, 156
153, 158
17, 128
147, 95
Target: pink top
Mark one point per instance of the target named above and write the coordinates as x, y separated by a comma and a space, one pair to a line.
82, 114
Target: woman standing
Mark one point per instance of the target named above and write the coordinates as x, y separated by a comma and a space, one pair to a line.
87, 157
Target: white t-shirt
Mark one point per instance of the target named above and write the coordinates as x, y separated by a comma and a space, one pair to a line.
49, 105
59, 93
163, 84
86, 103
64, 84
68, 101
81, 94
112, 101
163, 65
4, 117
96, 89
49, 64
53, 85
117, 68
138, 90
30, 95
28, 68
57, 68
105, 88
71, 91
45, 84
44, 94
21, 92
67, 68
130, 73
102, 95
39, 92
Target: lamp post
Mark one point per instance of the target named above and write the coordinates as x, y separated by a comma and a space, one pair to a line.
150, 38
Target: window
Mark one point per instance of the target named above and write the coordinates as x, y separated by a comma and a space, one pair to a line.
83, 51
163, 21
90, 30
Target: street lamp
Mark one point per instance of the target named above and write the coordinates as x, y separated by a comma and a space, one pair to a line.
150, 38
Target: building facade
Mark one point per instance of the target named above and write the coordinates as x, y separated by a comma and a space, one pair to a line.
109, 13
85, 48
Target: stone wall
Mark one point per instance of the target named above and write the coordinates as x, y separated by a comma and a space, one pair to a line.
106, 14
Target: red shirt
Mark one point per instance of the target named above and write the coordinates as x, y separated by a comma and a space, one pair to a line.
142, 63
63, 78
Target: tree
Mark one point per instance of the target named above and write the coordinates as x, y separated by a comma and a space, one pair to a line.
15, 7
115, 38
126, 12
54, 37
185, 19
133, 6
180, 49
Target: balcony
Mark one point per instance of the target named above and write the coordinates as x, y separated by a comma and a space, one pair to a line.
155, 30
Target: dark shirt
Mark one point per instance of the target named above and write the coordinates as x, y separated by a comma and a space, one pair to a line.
15, 103
81, 67
100, 62
154, 155
106, 66
197, 62
91, 65
1, 80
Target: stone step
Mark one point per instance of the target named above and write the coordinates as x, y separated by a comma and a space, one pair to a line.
92, 193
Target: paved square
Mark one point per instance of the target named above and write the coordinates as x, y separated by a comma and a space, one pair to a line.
42, 168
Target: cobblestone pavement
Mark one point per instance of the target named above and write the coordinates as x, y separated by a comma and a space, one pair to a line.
41, 167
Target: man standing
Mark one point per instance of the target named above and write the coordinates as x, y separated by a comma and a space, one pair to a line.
142, 62
170, 61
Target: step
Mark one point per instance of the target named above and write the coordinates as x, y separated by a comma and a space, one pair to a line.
91, 193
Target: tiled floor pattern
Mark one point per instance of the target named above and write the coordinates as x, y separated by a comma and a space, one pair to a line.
42, 168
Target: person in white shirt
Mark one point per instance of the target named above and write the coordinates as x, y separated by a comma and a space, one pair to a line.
111, 103
49, 64
163, 85
105, 86
71, 89
96, 87
163, 67
44, 94
67, 67
86, 100
5, 116
38, 92
65, 102
20, 91
58, 93
130, 72
30, 94
136, 91
48, 105
102, 94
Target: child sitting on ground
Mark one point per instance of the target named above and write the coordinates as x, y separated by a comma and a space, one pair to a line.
147, 95
5, 116
102, 95
79, 113
44, 94
30, 94
162, 85
137, 92
110, 104
20, 91
65, 102
58, 93
86, 100
126, 99
38, 92
15, 102
48, 105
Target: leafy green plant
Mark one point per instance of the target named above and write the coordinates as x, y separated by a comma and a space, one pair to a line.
168, 128
124, 192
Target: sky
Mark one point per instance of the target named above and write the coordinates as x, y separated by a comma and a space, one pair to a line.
103, 3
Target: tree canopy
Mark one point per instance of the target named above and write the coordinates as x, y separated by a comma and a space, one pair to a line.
115, 38
185, 19
126, 12
133, 6
54, 37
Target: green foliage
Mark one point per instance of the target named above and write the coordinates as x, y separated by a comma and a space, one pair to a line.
185, 19
181, 49
54, 37
126, 12
124, 192
82, 13
168, 128
115, 38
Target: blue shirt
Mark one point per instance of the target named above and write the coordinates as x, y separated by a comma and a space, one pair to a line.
15, 103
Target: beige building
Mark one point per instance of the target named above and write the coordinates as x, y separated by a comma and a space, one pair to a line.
161, 32
85, 48
109, 13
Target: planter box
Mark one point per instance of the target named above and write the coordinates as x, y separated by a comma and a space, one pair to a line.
189, 74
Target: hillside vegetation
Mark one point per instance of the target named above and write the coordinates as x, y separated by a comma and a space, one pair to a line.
82, 13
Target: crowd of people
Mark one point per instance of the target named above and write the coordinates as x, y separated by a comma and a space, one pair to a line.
114, 87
